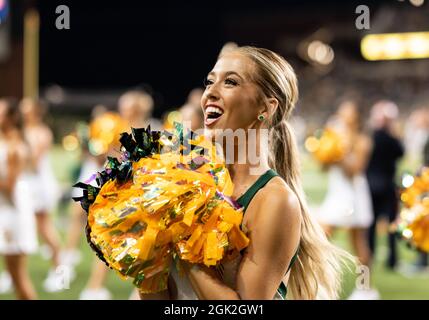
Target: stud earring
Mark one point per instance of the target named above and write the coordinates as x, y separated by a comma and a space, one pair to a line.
261, 117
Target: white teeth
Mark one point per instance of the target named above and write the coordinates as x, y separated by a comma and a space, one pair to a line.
214, 110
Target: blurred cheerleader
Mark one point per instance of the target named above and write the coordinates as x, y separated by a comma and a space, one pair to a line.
348, 202
103, 135
192, 117
89, 164
17, 222
191, 113
136, 108
46, 189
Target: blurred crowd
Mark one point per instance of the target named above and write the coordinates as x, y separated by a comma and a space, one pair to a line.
364, 184
30, 192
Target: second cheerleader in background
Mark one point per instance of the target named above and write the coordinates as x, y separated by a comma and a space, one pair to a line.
348, 201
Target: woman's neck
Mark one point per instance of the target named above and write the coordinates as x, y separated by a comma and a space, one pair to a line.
32, 123
252, 163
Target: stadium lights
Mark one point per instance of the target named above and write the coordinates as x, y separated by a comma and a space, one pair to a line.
417, 3
320, 52
70, 143
395, 46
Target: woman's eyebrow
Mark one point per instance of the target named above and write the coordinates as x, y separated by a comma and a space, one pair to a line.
227, 73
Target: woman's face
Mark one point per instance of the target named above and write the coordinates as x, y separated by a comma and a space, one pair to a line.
230, 100
128, 109
131, 108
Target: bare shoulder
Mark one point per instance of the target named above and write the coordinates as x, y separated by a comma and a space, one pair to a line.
280, 205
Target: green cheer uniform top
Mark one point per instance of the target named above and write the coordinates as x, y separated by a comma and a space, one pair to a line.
245, 200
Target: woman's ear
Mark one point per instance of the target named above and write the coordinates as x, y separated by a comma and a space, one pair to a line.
270, 107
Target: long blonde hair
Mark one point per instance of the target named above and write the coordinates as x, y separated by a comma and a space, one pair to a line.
319, 265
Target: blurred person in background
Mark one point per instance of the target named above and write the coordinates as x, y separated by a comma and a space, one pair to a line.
95, 160
189, 114
192, 112
136, 108
416, 132
347, 203
18, 235
40, 138
387, 151
89, 164
194, 97
192, 117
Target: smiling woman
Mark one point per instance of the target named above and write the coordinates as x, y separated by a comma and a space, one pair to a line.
255, 89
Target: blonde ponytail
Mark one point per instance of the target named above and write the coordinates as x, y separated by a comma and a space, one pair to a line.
318, 268
319, 264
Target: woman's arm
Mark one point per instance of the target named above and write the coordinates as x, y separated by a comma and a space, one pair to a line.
274, 237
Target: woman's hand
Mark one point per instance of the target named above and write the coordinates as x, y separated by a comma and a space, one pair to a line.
207, 284
274, 223
169, 294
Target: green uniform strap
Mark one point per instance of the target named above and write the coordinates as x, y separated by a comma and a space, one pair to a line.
245, 199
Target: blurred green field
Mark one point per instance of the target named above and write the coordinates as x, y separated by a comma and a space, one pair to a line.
392, 285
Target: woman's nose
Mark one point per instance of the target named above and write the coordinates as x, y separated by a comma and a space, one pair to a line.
212, 93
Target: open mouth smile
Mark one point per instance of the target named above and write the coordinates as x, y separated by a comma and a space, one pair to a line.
212, 114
